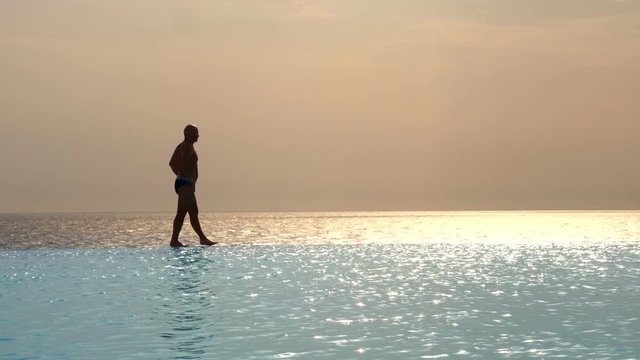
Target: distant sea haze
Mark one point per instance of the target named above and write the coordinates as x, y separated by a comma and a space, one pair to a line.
113, 230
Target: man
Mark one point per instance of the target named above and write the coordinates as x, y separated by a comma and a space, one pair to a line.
184, 164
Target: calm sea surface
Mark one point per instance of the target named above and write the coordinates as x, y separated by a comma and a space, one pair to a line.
427, 285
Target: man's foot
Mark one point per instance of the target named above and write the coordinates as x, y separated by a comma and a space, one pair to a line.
177, 244
207, 242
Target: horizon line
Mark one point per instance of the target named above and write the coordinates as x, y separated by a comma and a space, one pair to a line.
310, 211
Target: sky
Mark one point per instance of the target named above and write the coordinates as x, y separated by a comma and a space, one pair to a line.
327, 105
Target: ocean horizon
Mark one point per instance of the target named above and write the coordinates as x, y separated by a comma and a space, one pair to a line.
143, 229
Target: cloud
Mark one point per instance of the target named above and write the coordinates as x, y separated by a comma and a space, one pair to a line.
608, 41
312, 10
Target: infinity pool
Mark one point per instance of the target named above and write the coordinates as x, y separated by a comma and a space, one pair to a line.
367, 301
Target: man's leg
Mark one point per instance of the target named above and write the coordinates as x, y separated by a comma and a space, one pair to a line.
195, 222
186, 197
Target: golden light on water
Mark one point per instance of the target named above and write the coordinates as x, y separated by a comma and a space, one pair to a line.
326, 228
520, 228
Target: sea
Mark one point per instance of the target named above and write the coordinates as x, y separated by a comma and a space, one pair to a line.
344, 285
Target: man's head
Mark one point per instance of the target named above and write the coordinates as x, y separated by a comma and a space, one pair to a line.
191, 133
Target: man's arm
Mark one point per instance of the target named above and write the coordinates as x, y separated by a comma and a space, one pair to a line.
175, 161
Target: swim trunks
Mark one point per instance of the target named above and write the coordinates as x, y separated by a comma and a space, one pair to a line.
180, 181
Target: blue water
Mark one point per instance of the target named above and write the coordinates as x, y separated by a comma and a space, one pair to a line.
476, 297
366, 301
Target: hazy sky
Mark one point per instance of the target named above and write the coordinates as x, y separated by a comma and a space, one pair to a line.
321, 105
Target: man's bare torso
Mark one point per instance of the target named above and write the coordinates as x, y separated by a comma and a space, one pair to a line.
184, 161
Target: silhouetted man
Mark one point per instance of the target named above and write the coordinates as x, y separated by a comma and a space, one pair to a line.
184, 164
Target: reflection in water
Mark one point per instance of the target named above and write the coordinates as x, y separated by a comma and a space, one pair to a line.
187, 302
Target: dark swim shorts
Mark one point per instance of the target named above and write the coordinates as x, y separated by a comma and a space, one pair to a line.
180, 182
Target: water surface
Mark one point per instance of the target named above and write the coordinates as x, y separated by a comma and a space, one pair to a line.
370, 286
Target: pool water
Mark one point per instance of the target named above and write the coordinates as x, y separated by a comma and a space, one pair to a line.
337, 301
